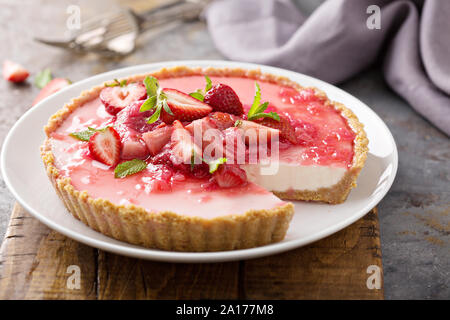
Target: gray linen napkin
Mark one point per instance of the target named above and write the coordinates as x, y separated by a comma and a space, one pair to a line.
334, 43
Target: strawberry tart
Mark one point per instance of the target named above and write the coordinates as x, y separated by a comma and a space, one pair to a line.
200, 159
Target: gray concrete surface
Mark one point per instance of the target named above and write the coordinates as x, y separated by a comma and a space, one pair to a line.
414, 216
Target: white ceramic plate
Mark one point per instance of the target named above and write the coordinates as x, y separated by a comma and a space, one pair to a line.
25, 176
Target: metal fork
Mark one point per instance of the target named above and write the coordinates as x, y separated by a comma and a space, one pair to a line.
115, 34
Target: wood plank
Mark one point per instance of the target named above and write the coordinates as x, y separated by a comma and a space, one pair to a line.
127, 278
34, 262
332, 268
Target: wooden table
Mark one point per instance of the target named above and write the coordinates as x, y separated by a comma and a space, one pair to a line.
414, 216
38, 263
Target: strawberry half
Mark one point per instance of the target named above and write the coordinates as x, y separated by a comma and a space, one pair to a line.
183, 146
50, 88
157, 139
286, 130
223, 98
254, 130
105, 146
116, 98
184, 107
14, 72
228, 176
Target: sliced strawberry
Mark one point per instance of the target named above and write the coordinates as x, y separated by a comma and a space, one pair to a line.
230, 175
222, 98
116, 98
253, 130
105, 146
203, 124
183, 146
14, 72
223, 120
234, 145
286, 130
184, 107
131, 121
134, 148
157, 139
51, 87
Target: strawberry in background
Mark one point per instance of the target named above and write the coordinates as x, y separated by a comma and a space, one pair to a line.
14, 72
44, 80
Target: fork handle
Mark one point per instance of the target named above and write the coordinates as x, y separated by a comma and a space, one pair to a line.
183, 10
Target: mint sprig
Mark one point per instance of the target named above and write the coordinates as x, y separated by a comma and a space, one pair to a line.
157, 99
85, 135
43, 78
116, 83
200, 94
214, 165
129, 167
257, 109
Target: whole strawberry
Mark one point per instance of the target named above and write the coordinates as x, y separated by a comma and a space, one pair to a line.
222, 98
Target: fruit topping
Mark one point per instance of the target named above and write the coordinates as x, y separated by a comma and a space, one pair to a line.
229, 175
184, 150
171, 104
286, 130
105, 146
14, 72
234, 145
183, 107
116, 98
253, 131
222, 98
157, 138
223, 120
131, 121
134, 147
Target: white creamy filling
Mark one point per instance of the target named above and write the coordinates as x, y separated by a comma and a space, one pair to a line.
295, 177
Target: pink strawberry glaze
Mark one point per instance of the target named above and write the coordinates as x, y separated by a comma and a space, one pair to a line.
319, 131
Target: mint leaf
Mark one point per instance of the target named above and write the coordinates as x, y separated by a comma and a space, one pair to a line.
197, 95
256, 100
214, 165
148, 104
200, 94
84, 135
42, 78
152, 86
272, 115
129, 167
257, 109
156, 99
208, 84
155, 116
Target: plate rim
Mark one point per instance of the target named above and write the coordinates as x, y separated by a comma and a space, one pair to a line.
196, 257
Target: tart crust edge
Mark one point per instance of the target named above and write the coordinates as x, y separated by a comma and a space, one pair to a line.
170, 231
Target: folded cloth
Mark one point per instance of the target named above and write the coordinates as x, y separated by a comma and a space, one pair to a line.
341, 38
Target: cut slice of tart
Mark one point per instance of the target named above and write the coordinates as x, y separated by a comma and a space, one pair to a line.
184, 167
